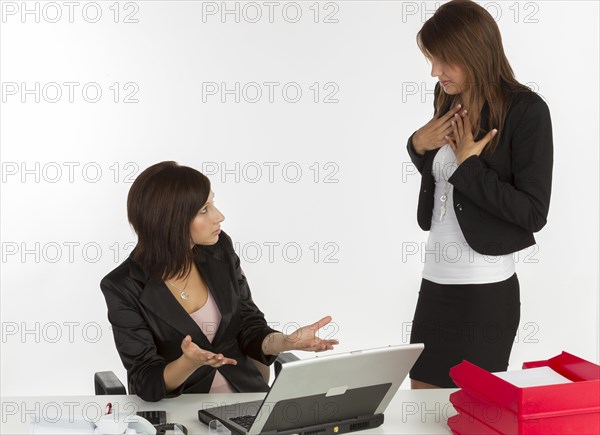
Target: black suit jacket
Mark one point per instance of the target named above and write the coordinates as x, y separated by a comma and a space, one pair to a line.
149, 324
501, 199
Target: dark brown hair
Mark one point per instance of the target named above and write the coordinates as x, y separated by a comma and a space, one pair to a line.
161, 204
462, 33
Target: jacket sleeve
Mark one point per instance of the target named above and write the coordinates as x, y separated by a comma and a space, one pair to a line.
418, 160
525, 201
254, 326
135, 344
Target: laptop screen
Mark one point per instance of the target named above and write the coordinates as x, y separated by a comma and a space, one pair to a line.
336, 387
320, 409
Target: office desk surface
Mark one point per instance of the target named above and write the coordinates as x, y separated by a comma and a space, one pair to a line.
410, 412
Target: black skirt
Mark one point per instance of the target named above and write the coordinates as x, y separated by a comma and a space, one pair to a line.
473, 322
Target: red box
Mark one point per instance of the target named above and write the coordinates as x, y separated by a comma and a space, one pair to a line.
464, 424
490, 405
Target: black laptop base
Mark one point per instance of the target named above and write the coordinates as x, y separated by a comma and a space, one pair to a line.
348, 411
351, 425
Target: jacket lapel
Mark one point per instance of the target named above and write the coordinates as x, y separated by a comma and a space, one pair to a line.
157, 298
214, 269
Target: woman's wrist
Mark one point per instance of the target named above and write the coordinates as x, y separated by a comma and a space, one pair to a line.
177, 371
416, 145
275, 343
461, 158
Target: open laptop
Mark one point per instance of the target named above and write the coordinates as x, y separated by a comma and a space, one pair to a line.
323, 395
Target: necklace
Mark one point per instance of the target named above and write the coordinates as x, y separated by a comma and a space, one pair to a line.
444, 196
182, 293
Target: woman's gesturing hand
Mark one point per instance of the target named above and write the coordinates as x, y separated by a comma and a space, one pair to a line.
202, 357
434, 134
461, 140
304, 338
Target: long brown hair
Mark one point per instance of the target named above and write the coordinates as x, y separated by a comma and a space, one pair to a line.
161, 204
462, 33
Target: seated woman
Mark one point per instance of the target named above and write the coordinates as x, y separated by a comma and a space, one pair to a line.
181, 311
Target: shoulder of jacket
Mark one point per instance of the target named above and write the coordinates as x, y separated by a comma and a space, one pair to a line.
119, 276
526, 98
527, 104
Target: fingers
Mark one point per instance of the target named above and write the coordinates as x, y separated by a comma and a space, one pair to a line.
307, 333
440, 127
319, 324
458, 122
447, 129
450, 113
445, 124
466, 121
218, 360
328, 344
321, 346
432, 134
186, 343
452, 143
316, 345
487, 138
212, 360
231, 361
455, 131
204, 357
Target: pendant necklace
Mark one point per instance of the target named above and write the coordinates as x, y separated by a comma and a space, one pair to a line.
444, 196
182, 293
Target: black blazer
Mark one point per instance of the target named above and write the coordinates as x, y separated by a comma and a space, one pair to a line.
149, 324
501, 199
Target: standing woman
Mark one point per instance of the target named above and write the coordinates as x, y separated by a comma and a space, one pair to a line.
485, 160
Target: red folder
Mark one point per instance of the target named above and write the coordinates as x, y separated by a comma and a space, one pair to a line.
487, 404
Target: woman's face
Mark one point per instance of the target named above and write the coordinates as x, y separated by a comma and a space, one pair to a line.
452, 78
206, 225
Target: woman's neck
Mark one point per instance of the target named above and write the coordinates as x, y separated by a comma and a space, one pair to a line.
182, 277
464, 99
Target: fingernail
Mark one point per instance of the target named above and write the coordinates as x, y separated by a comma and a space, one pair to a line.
452, 122
494, 131
458, 106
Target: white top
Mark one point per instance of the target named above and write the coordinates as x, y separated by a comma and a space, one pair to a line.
448, 258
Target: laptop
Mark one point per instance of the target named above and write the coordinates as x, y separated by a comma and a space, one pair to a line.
330, 394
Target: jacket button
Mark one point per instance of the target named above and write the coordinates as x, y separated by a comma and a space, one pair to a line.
459, 207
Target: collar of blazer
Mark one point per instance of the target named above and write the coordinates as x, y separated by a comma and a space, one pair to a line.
219, 277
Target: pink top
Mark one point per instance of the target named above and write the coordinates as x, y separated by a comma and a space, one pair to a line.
208, 318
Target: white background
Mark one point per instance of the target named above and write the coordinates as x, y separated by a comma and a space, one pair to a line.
341, 231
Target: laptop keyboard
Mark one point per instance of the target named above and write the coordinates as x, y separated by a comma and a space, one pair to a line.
244, 420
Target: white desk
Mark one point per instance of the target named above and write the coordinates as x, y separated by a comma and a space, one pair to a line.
410, 412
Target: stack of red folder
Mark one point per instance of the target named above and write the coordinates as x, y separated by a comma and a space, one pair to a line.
487, 404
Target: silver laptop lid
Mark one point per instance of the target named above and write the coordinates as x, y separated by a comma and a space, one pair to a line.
339, 374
